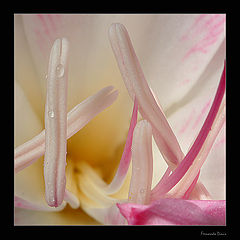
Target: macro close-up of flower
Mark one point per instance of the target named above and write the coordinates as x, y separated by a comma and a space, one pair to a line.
120, 119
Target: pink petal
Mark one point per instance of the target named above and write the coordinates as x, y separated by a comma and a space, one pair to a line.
175, 212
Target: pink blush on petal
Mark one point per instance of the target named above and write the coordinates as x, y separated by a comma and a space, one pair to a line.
46, 29
42, 19
41, 41
208, 28
220, 142
183, 82
50, 24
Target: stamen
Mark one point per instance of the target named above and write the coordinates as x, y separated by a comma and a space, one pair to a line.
71, 199
137, 86
142, 164
87, 183
188, 192
68, 197
56, 124
29, 145
120, 175
200, 192
77, 118
197, 154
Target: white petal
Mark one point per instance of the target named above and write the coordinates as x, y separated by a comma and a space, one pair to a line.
26, 122
182, 48
29, 183
24, 69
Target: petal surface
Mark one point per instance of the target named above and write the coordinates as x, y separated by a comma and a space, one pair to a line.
24, 69
183, 46
26, 122
175, 212
66, 217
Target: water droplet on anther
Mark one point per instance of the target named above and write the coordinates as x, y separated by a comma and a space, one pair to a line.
142, 190
60, 71
51, 114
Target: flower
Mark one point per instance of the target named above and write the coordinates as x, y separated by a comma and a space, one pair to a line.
199, 44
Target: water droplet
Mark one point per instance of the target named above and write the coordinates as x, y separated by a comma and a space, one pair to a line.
60, 71
51, 114
46, 77
142, 190
52, 200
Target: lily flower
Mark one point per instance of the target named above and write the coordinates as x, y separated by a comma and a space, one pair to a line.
96, 182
